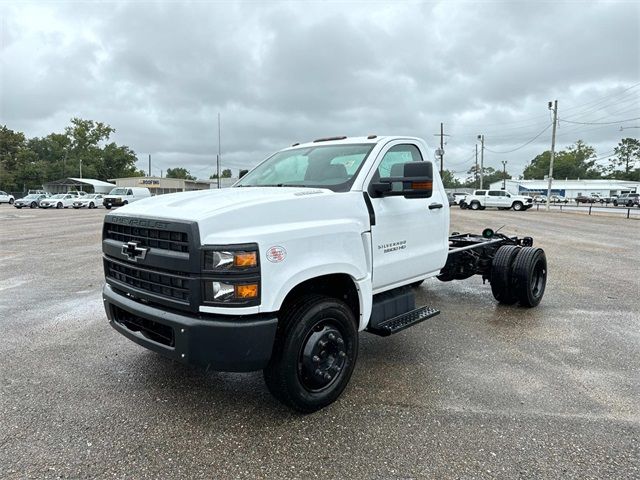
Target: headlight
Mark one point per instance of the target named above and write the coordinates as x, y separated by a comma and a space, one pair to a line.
223, 292
228, 260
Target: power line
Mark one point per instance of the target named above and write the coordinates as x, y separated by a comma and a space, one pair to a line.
524, 144
601, 123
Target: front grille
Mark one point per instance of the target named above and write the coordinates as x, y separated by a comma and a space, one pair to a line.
174, 286
148, 328
149, 237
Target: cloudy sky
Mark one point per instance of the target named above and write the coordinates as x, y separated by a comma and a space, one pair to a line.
280, 72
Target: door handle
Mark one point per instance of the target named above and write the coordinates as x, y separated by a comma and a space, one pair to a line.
433, 206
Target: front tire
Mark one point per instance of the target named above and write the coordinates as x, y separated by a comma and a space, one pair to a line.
517, 206
92, 205
11, 201
615, 203
474, 206
314, 353
33, 205
59, 205
108, 206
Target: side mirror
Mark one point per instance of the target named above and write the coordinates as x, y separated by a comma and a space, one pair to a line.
416, 182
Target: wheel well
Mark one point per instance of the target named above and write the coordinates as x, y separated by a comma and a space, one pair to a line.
339, 285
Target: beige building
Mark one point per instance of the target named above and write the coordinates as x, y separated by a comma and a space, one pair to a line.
159, 186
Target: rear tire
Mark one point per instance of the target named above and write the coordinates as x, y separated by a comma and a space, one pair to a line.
11, 201
91, 205
33, 205
108, 207
314, 353
530, 275
501, 278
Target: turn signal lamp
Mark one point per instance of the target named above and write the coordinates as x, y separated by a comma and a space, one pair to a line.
247, 291
245, 259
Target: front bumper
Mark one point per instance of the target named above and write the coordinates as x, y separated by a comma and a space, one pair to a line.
223, 343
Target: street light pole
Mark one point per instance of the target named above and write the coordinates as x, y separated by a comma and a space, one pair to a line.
504, 174
481, 138
553, 106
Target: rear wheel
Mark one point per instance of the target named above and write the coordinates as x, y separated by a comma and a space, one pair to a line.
615, 203
18, 207
92, 205
529, 273
33, 205
314, 353
501, 281
11, 201
108, 206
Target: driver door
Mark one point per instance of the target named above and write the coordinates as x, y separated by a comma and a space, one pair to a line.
410, 235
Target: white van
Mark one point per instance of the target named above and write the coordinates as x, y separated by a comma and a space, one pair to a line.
122, 195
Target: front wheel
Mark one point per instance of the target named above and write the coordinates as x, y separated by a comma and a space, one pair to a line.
59, 205
33, 205
615, 203
92, 205
11, 201
18, 207
517, 206
474, 206
314, 353
108, 206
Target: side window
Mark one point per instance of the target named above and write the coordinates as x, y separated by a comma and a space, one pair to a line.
129, 192
393, 161
495, 193
480, 192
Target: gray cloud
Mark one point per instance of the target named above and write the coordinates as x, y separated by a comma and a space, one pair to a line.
292, 71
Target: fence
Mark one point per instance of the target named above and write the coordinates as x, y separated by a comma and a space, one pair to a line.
595, 209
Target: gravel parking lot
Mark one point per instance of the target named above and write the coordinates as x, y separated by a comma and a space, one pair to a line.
480, 391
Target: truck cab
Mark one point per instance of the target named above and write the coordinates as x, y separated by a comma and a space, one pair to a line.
280, 272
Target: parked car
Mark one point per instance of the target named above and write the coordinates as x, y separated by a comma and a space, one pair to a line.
503, 200
584, 199
120, 196
61, 200
32, 200
540, 199
559, 199
92, 200
458, 197
6, 198
628, 200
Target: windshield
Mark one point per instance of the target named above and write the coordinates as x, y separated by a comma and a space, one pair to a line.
328, 166
87, 197
118, 191
60, 195
31, 197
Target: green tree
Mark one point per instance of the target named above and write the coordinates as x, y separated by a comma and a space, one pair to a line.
179, 172
490, 175
118, 161
627, 156
11, 145
577, 161
226, 173
449, 180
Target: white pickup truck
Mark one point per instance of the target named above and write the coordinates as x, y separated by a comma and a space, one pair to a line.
280, 273
501, 199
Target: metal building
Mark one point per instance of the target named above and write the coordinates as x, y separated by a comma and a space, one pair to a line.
88, 185
569, 188
161, 185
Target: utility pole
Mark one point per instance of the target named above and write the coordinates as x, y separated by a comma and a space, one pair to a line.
504, 174
149, 164
80, 167
553, 106
481, 138
218, 157
440, 151
475, 181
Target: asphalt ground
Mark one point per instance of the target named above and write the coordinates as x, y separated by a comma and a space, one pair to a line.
480, 391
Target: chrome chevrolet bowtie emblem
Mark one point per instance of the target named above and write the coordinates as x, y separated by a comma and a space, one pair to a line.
133, 252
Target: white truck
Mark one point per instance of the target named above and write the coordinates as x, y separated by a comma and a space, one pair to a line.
500, 199
281, 272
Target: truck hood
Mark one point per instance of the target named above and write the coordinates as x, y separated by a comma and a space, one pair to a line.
237, 215
203, 204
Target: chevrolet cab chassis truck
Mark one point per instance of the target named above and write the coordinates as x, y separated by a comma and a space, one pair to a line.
281, 272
